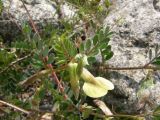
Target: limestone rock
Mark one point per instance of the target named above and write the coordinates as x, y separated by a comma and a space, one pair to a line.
136, 24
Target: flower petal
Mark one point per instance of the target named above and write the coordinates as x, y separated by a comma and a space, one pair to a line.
108, 85
87, 76
93, 90
97, 90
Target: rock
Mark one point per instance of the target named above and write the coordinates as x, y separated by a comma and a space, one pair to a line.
14, 15
42, 12
31, 2
136, 24
156, 4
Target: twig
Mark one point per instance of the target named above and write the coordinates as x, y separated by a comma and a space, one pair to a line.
15, 62
13, 48
104, 67
31, 20
4, 21
60, 86
103, 107
34, 77
127, 115
15, 107
146, 66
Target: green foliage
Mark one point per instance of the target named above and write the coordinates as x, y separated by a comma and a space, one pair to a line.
154, 55
157, 61
156, 113
5, 57
107, 3
98, 44
87, 111
1, 6
65, 50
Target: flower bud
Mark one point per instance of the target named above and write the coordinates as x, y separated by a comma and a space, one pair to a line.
82, 57
74, 78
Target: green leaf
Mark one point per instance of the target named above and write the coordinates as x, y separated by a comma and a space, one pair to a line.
69, 47
81, 48
88, 45
23, 45
5, 57
95, 39
45, 52
60, 62
87, 111
65, 50
102, 46
39, 44
107, 3
91, 60
156, 113
1, 6
157, 61
58, 48
36, 62
26, 29
100, 43
42, 92
50, 59
108, 55
94, 52
108, 47
92, 24
101, 35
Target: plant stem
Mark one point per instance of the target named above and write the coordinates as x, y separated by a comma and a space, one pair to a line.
15, 62
31, 20
15, 107
43, 59
158, 54
104, 67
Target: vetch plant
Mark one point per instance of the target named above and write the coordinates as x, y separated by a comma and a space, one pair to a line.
54, 65
93, 86
61, 68
72, 59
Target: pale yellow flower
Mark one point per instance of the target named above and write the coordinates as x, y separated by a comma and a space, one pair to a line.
95, 86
